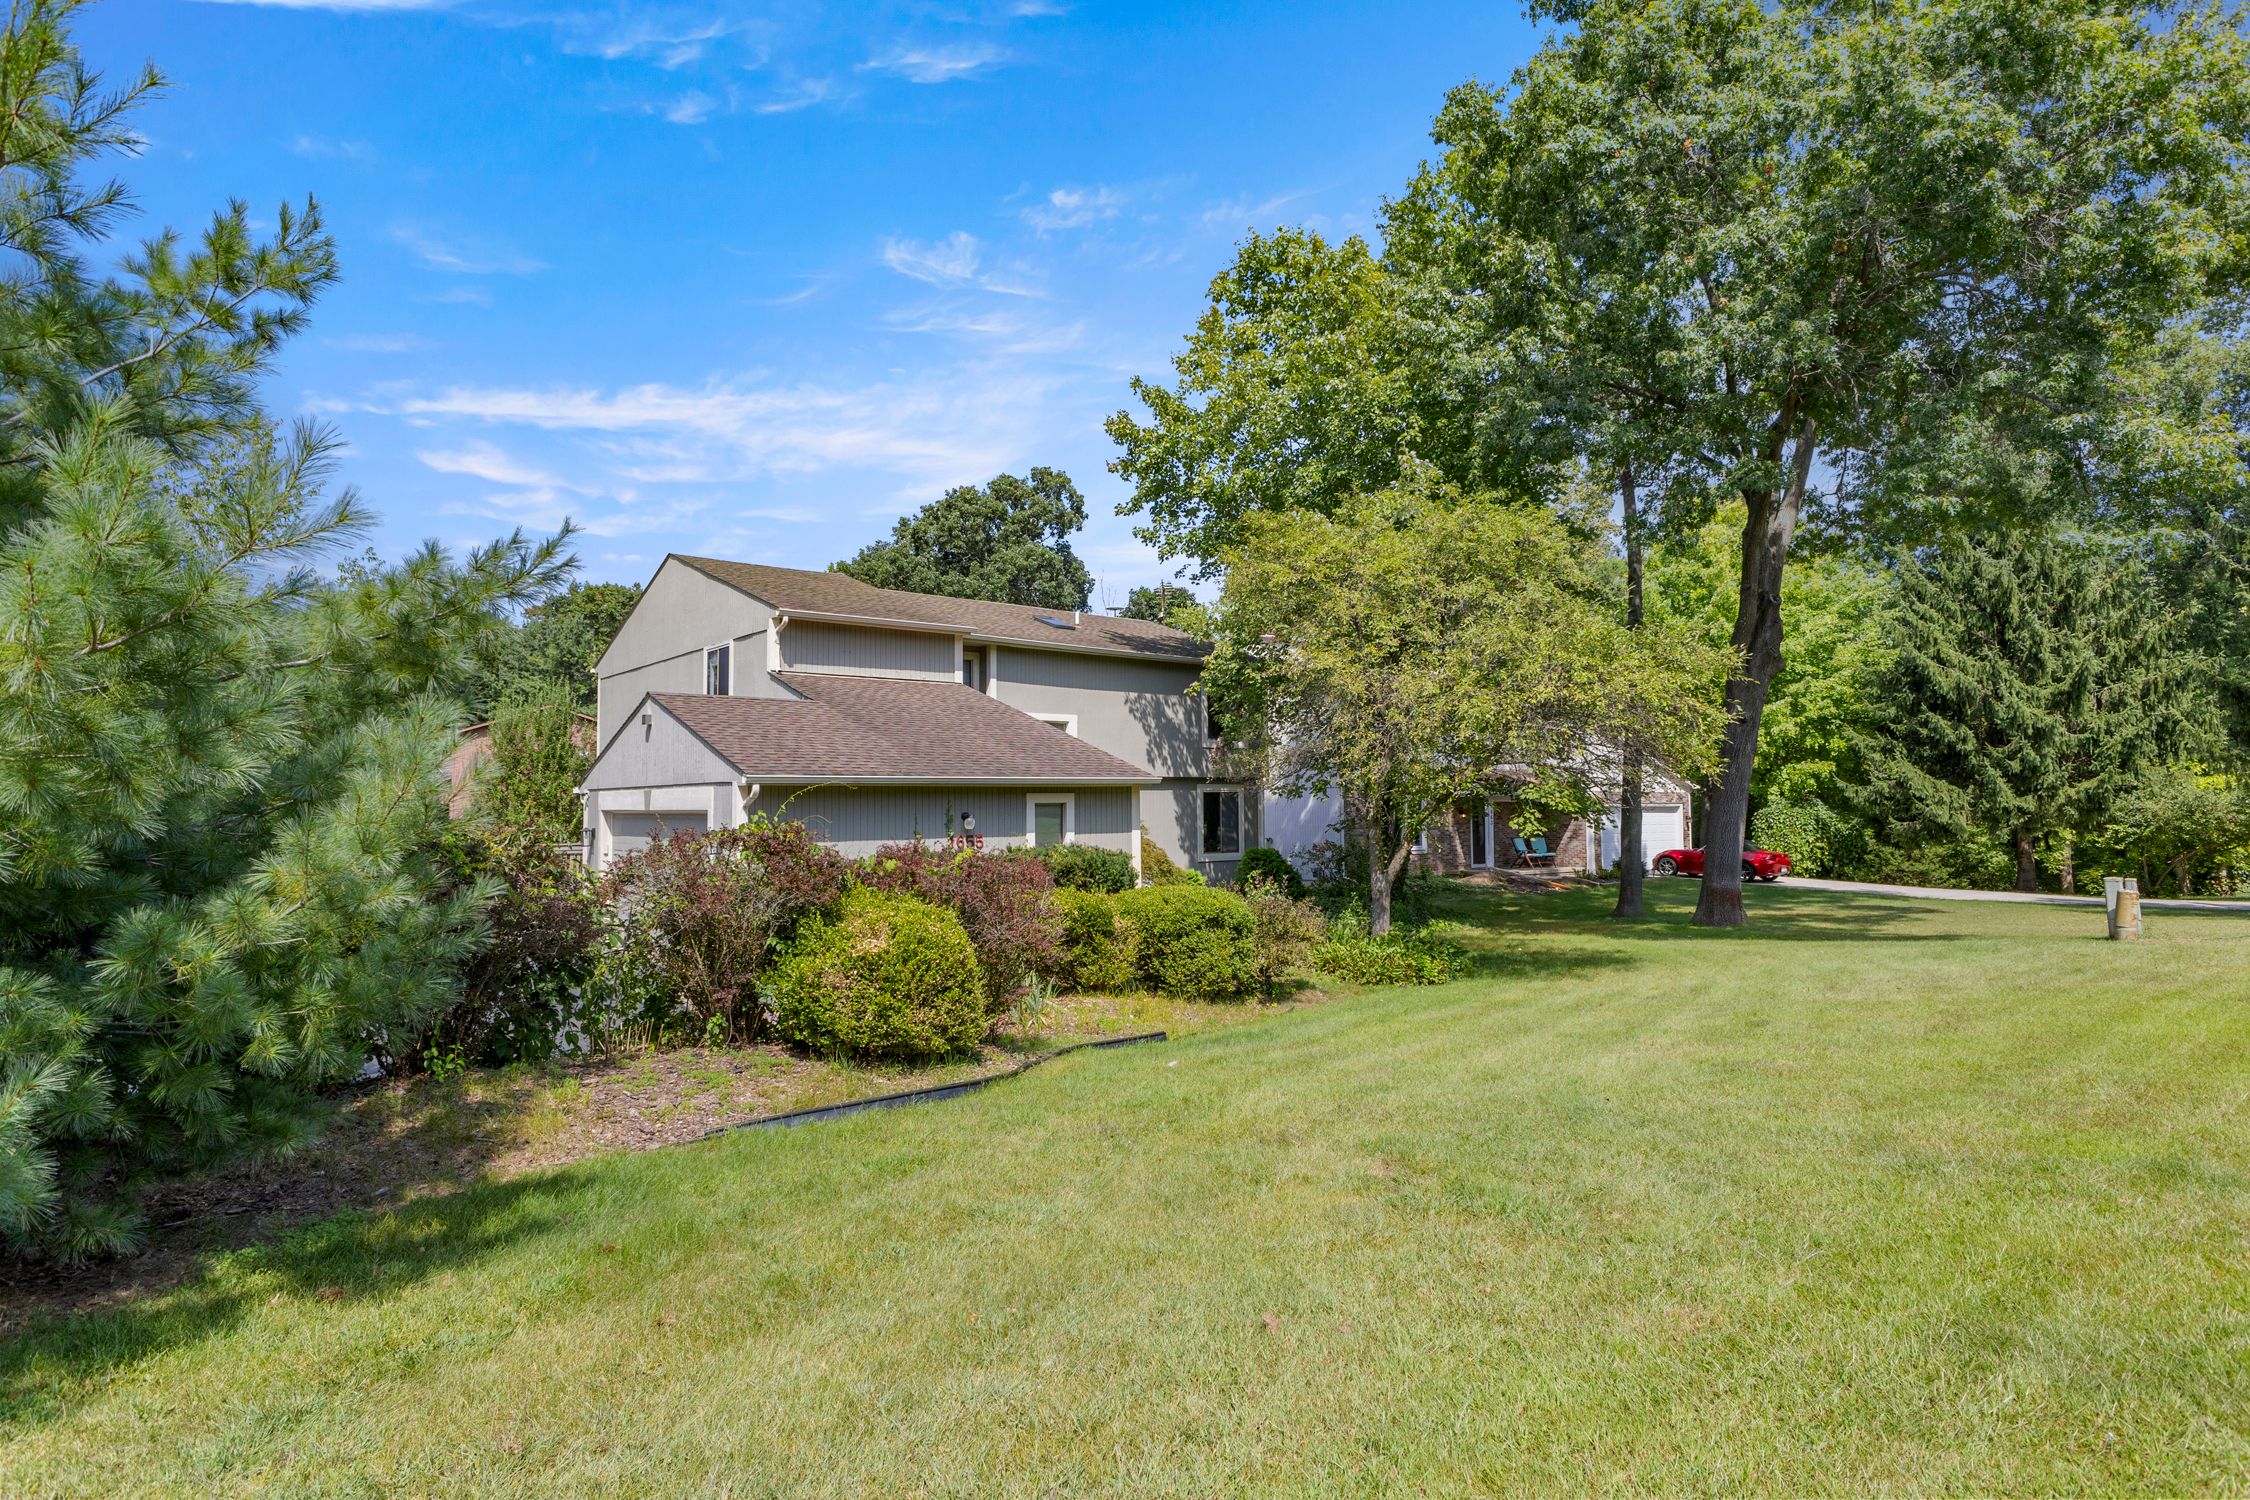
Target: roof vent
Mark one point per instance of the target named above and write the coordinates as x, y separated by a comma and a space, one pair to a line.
1058, 624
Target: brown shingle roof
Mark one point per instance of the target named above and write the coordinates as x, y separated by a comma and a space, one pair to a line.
789, 589
889, 729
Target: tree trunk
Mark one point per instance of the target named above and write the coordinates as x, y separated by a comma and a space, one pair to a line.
1632, 859
1378, 880
2067, 865
2027, 862
1766, 534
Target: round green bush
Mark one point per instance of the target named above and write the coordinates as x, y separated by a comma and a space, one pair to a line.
1192, 941
1088, 867
887, 976
1269, 864
1097, 947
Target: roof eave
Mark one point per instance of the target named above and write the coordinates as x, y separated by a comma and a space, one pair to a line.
849, 782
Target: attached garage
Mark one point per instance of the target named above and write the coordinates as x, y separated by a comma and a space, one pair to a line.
631, 832
1663, 826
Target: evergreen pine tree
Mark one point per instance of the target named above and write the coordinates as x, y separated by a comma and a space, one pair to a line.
2031, 679
219, 770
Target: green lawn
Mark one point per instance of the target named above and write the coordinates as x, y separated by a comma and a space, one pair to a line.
1879, 1195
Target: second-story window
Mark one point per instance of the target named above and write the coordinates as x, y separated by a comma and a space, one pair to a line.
718, 670
1213, 732
972, 669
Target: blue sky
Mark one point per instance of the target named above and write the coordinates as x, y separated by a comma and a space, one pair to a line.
755, 281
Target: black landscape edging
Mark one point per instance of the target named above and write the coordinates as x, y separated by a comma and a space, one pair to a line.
920, 1096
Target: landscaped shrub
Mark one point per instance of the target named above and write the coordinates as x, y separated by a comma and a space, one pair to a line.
1192, 941
1284, 929
697, 916
1817, 840
1405, 955
888, 975
1088, 867
1157, 867
1269, 864
1098, 948
1006, 903
522, 992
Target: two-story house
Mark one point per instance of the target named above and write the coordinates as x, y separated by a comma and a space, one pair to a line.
874, 716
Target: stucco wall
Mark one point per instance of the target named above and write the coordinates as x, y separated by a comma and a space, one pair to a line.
1139, 711
858, 820
854, 650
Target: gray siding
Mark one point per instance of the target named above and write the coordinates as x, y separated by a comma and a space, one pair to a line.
681, 610
858, 651
660, 647
662, 754
856, 821
1139, 711
1172, 813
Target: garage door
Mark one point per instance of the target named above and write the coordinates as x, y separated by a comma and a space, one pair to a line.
1663, 826
629, 833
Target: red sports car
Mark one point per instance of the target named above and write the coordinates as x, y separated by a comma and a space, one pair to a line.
1757, 864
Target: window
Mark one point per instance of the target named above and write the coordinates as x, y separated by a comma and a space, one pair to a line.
972, 670
1052, 818
1222, 821
718, 670
1421, 844
1212, 732
1067, 723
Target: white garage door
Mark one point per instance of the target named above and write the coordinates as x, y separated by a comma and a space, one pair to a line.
1663, 826
629, 833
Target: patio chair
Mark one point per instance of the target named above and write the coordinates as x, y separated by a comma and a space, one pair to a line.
1533, 852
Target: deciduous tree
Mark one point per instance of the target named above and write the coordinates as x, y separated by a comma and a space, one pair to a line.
1008, 540
1414, 646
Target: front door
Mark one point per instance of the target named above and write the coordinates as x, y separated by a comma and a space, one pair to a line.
1049, 821
1480, 839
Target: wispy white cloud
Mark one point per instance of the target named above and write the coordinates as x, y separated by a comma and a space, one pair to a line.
1246, 212
691, 108
1005, 332
950, 261
485, 461
958, 261
468, 257
1074, 208
803, 94
378, 343
932, 429
340, 4
474, 296
326, 148
936, 64
667, 43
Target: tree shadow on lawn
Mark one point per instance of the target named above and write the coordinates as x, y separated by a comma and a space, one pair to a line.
351, 1258
1777, 915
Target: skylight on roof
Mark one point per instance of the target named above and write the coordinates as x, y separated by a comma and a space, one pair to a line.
1058, 624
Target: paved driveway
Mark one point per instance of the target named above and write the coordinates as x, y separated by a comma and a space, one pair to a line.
2034, 898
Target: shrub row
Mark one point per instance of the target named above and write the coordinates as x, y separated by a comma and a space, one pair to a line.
759, 931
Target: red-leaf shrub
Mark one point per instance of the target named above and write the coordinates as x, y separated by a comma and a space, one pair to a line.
1006, 902
701, 913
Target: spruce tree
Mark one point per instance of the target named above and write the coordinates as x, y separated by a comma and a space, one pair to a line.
219, 767
2031, 679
